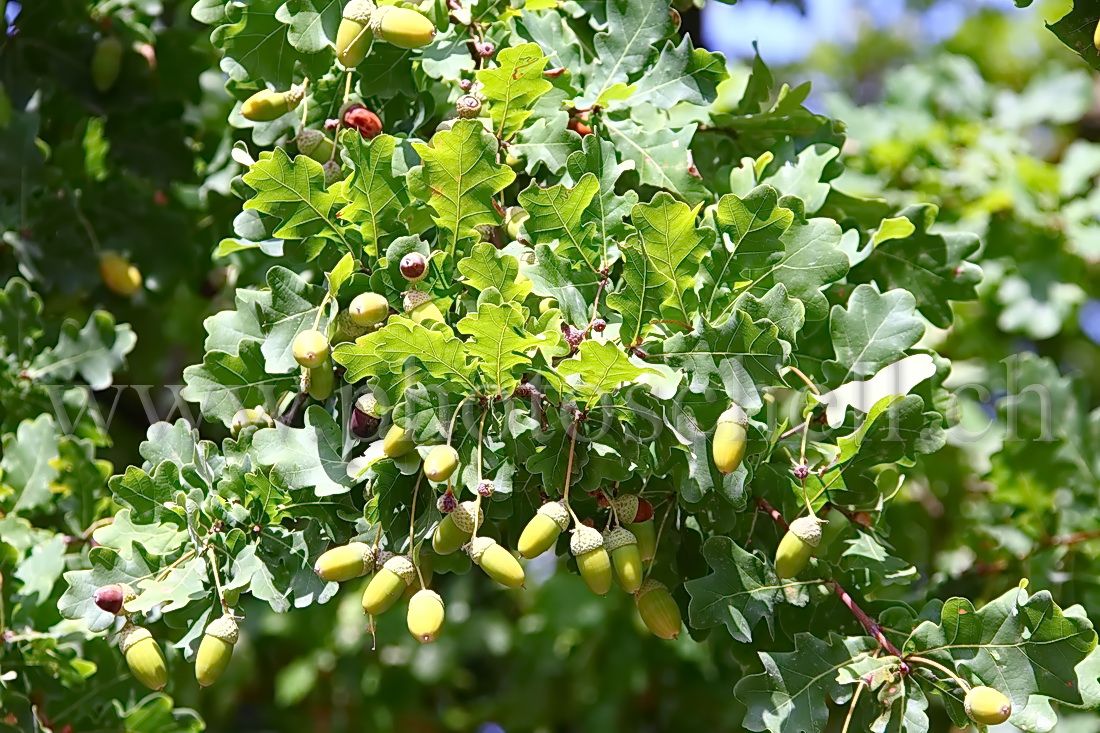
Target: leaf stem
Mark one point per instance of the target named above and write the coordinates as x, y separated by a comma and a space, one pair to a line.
660, 532
569, 471
454, 417
932, 663
213, 560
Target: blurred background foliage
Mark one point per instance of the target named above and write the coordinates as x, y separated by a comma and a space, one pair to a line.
973, 106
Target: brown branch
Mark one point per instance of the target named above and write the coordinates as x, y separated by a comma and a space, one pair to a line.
873, 628
772, 511
1072, 539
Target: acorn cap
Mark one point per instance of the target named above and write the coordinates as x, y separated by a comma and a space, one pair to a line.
585, 539
381, 557
308, 139
734, 415
556, 510
807, 529
648, 585
463, 516
224, 628
367, 403
295, 95
626, 507
359, 10
414, 298
479, 546
618, 537
131, 635
402, 567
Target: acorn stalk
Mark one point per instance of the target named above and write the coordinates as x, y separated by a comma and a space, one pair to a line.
594, 563
143, 656
215, 650
498, 563
542, 531
388, 584
658, 610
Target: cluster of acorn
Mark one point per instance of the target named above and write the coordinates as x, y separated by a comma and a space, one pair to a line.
143, 654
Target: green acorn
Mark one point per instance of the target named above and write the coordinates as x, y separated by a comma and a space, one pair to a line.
542, 531
250, 417
311, 348
368, 309
987, 706
456, 528
420, 307
388, 584
353, 560
106, 62
403, 27
586, 544
266, 105
728, 446
440, 463
626, 557
320, 381
353, 36
658, 610
425, 616
797, 547
498, 563
314, 144
215, 650
143, 656
397, 442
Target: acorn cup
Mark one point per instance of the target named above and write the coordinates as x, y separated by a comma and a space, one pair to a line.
420, 307
215, 650
987, 706
353, 560
314, 144
498, 563
397, 442
368, 309
403, 27
143, 656
658, 610
797, 547
440, 463
425, 616
456, 528
353, 36
586, 544
266, 105
626, 557
542, 531
388, 585
728, 445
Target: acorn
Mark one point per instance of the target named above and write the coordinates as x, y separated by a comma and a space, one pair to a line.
425, 616
414, 267
215, 650
403, 27
111, 598
987, 706
440, 463
120, 277
468, 107
658, 610
311, 348
364, 423
314, 144
420, 307
266, 105
542, 531
250, 417
353, 560
586, 544
397, 442
353, 36
368, 309
358, 117
797, 547
498, 563
636, 514
319, 382
646, 534
456, 528
728, 446
388, 584
143, 656
1096, 37
514, 217
106, 62
626, 557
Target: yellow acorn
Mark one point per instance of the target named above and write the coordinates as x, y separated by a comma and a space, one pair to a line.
456, 528
368, 309
425, 616
797, 547
353, 36
311, 348
397, 442
658, 610
353, 560
586, 544
498, 563
987, 706
626, 557
403, 27
440, 463
388, 584
320, 381
250, 417
120, 277
420, 307
728, 446
1096, 37
266, 105
542, 531
215, 650
143, 656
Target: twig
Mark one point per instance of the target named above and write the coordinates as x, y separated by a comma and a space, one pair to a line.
772, 511
569, 471
868, 623
292, 413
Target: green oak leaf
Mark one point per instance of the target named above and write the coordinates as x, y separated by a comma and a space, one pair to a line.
293, 309
224, 383
740, 591
513, 87
307, 457
27, 466
312, 23
94, 352
293, 191
376, 195
256, 47
602, 369
555, 219
610, 207
107, 566
225, 331
682, 74
630, 39
487, 267
500, 341
661, 156
875, 330
20, 319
